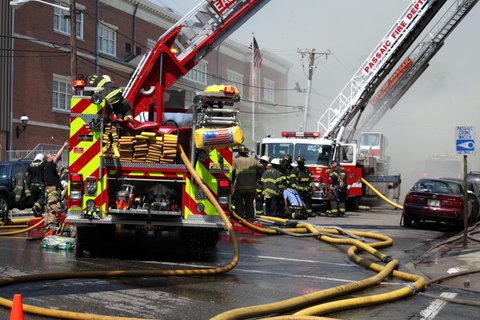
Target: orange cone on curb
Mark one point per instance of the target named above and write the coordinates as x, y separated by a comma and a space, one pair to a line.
17, 307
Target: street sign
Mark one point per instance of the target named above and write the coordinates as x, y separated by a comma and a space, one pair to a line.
465, 139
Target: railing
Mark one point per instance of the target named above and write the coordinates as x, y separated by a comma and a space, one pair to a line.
12, 155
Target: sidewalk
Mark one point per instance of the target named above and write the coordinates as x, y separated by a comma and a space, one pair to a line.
452, 258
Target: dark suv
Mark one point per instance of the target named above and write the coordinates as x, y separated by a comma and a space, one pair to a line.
10, 172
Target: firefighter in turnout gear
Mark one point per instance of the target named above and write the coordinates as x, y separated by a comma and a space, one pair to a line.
53, 188
246, 171
338, 179
303, 183
115, 102
273, 182
36, 179
259, 199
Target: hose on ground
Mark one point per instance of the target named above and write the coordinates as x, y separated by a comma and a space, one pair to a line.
378, 193
326, 234
12, 233
125, 273
298, 302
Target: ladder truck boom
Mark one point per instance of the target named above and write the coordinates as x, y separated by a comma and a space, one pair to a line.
416, 62
354, 97
180, 48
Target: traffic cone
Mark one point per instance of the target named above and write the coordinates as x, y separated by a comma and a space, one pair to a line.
17, 307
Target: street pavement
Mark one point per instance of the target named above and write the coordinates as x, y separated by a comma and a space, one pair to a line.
456, 260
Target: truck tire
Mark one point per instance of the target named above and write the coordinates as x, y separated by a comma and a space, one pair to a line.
199, 237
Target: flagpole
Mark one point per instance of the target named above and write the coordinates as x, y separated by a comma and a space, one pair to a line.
253, 90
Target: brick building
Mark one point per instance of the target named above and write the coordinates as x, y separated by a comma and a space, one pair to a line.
35, 61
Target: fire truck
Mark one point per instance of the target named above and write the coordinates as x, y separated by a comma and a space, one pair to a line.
340, 120
128, 174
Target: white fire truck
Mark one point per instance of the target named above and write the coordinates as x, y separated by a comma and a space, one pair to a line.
342, 117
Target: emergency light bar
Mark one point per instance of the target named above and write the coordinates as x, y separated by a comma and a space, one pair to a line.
79, 84
300, 134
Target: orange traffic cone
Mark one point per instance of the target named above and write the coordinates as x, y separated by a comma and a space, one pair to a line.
17, 307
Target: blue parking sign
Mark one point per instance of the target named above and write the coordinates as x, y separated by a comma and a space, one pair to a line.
465, 139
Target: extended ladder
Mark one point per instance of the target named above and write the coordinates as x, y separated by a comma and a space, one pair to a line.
356, 94
180, 48
416, 62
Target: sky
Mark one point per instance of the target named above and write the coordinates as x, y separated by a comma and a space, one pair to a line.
423, 123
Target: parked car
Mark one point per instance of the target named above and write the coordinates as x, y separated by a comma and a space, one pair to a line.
10, 173
439, 200
474, 176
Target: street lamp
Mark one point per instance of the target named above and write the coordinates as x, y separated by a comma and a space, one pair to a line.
15, 3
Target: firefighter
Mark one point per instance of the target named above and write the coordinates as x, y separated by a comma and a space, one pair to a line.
273, 183
53, 188
246, 171
259, 199
338, 180
36, 179
303, 182
294, 204
116, 104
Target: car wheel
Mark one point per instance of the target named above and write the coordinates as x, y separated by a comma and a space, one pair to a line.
407, 220
3, 206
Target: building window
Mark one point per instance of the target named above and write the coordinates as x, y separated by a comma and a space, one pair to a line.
268, 90
61, 22
107, 39
235, 79
62, 93
199, 73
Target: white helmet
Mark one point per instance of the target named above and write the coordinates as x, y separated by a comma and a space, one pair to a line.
275, 161
265, 158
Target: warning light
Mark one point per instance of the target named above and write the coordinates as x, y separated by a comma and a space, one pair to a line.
300, 134
78, 84
229, 90
224, 183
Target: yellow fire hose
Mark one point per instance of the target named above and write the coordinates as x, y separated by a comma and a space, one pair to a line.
12, 233
396, 205
254, 311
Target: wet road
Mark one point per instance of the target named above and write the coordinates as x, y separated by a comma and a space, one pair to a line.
271, 268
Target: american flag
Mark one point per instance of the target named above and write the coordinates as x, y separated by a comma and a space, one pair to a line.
217, 137
257, 56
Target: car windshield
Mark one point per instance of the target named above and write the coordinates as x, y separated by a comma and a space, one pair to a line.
436, 186
314, 154
3, 171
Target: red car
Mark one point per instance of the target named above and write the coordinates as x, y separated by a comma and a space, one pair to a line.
439, 200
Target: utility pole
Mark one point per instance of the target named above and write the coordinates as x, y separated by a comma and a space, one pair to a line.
313, 59
73, 40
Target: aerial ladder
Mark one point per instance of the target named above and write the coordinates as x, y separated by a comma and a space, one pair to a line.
354, 97
181, 47
416, 62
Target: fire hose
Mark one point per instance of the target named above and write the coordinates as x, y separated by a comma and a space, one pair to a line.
328, 235
378, 193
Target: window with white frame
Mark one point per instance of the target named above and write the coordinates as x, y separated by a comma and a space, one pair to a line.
107, 39
61, 22
198, 73
61, 93
235, 79
268, 90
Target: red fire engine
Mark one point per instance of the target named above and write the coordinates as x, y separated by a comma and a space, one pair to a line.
128, 174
